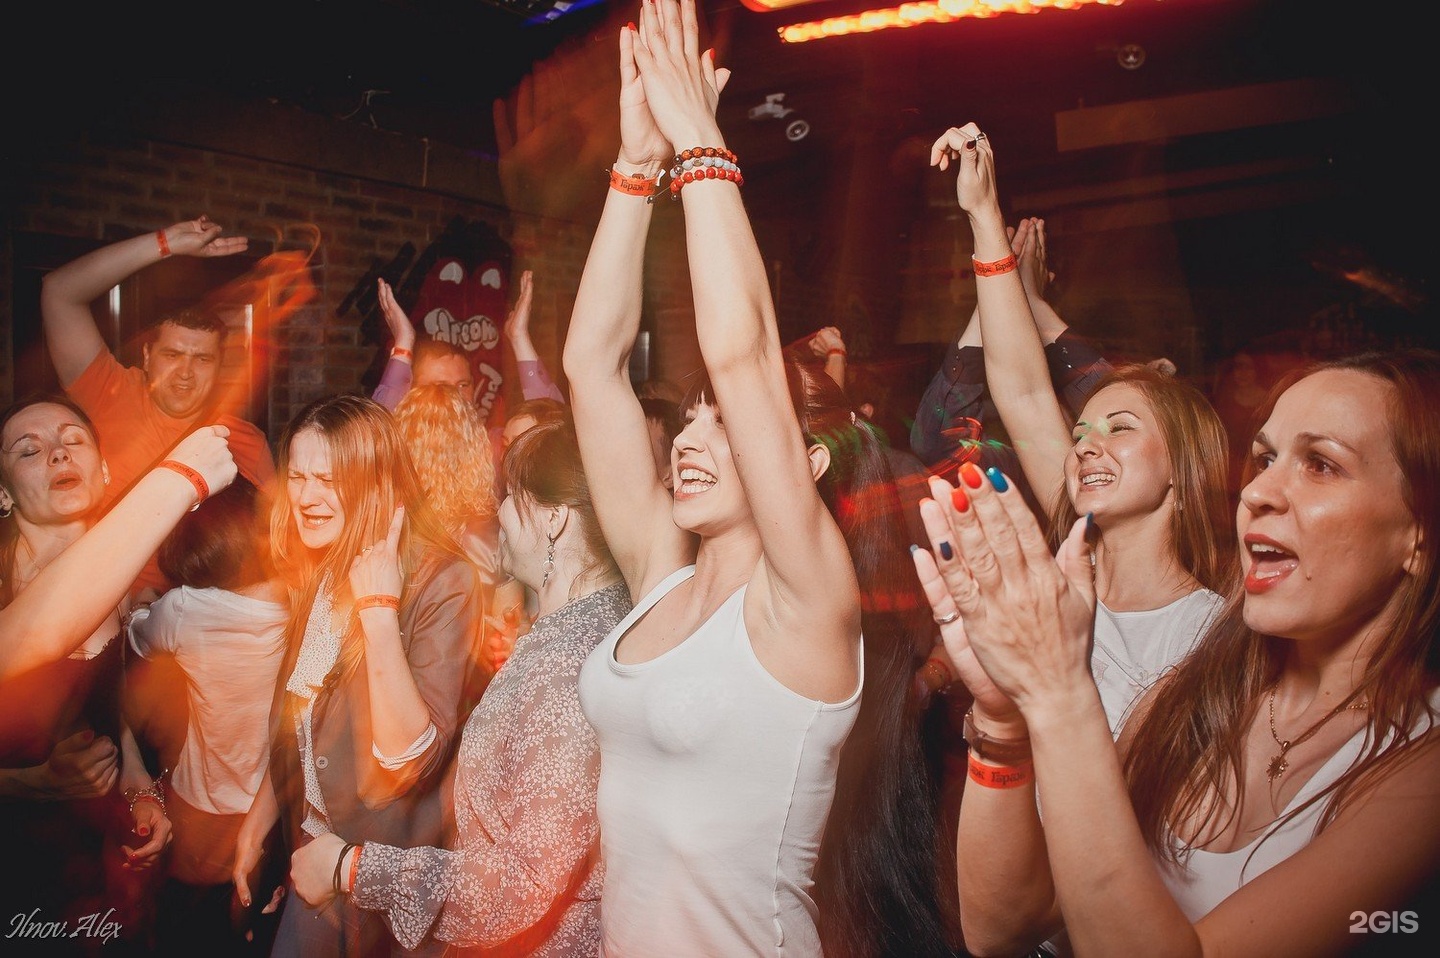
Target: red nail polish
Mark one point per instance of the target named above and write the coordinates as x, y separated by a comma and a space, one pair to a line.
709, 53
972, 475
631, 25
142, 831
959, 500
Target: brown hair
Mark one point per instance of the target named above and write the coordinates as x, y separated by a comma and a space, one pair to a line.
1202, 523
451, 451
373, 474
221, 543
1191, 741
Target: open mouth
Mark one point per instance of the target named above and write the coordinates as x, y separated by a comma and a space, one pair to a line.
65, 482
1097, 480
1270, 564
695, 481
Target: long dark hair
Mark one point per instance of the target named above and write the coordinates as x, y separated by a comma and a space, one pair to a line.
1191, 742
876, 879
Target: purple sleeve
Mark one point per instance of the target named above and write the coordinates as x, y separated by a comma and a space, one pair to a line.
535, 381
394, 384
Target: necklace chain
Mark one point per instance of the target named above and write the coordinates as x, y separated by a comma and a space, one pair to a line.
1279, 763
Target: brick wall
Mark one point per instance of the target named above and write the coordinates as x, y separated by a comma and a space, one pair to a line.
101, 187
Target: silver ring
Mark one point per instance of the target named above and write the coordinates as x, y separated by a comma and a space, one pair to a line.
981, 136
947, 619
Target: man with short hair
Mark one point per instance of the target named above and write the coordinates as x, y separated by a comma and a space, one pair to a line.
140, 414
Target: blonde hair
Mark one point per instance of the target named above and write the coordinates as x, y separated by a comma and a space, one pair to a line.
451, 451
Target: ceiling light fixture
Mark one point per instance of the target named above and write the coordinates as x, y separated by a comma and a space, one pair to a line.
911, 15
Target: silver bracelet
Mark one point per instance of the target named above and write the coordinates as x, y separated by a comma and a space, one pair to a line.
151, 792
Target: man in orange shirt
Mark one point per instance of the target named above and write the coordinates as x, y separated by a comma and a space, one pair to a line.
142, 413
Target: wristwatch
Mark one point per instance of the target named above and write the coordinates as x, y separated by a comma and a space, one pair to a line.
994, 751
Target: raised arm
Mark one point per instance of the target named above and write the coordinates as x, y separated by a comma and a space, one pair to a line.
806, 569
395, 380
535, 382
65, 297
1016, 372
633, 507
74, 593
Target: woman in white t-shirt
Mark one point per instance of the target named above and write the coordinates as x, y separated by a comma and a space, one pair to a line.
224, 626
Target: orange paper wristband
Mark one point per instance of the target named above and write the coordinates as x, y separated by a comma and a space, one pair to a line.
994, 268
1001, 776
378, 600
202, 488
634, 185
163, 243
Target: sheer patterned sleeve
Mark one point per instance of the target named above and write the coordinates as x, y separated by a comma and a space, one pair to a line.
513, 875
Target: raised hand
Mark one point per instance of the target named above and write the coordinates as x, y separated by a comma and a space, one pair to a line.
642, 145
682, 85
376, 571
517, 321
1028, 616
402, 331
201, 237
937, 571
1028, 243
207, 451
826, 339
968, 148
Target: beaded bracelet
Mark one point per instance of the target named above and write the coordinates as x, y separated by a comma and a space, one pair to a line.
994, 268
377, 600
150, 793
202, 488
704, 163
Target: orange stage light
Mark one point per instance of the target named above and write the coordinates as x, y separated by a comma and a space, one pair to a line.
910, 15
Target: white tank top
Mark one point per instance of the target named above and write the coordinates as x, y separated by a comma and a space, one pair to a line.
715, 783
1208, 878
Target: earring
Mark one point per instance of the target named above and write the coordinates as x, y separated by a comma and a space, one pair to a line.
549, 561
6, 509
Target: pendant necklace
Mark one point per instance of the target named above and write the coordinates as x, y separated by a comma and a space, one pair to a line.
1279, 763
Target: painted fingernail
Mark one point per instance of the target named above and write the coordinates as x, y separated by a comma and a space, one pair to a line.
959, 500
631, 25
969, 144
142, 831
971, 474
1092, 531
946, 552
709, 53
914, 548
997, 479
245, 902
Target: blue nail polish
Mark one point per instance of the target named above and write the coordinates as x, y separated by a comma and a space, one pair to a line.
914, 548
997, 479
946, 552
